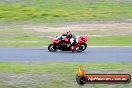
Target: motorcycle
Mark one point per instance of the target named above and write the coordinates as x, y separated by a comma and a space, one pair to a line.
64, 44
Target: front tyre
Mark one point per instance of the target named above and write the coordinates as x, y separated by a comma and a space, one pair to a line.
82, 47
52, 48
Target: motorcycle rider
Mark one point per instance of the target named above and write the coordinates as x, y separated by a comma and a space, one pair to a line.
72, 38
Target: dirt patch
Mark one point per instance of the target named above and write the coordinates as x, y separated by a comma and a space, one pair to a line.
91, 27
122, 28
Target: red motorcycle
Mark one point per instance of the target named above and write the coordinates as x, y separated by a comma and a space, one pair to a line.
64, 44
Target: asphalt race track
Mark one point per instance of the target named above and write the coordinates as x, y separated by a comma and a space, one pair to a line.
98, 54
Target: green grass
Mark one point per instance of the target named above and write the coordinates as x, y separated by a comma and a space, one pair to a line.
111, 41
62, 73
21, 37
63, 10
59, 67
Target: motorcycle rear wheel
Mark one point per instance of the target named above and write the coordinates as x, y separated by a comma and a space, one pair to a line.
52, 48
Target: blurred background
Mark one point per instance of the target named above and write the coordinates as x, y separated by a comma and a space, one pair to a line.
29, 22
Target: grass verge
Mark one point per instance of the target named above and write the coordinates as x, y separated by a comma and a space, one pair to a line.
63, 10
56, 74
28, 38
111, 41
36, 41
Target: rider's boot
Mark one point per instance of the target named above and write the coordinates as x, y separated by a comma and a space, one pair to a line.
73, 48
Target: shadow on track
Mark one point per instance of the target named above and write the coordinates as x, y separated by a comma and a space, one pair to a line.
69, 52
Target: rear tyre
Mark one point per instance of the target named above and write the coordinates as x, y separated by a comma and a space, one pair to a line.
52, 48
82, 47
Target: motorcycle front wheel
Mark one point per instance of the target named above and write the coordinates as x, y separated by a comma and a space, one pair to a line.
82, 47
52, 48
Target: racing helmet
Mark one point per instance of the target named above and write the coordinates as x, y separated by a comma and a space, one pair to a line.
68, 33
